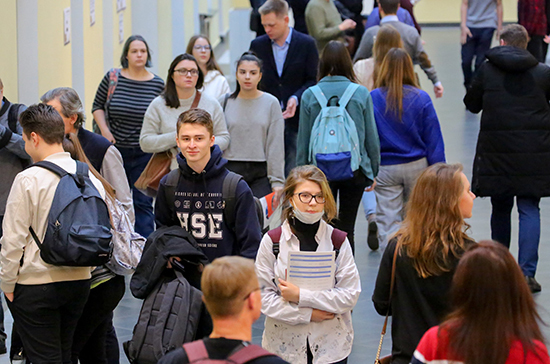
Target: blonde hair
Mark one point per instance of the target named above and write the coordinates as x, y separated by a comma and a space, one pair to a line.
225, 283
434, 227
308, 173
395, 72
387, 38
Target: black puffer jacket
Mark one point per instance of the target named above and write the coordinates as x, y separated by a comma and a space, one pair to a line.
513, 148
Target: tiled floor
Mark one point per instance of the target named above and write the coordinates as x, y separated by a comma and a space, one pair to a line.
460, 132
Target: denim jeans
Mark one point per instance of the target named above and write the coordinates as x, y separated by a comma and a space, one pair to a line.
369, 203
475, 46
529, 228
135, 161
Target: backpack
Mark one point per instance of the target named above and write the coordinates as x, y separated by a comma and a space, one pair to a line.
79, 229
334, 142
337, 237
244, 353
13, 117
229, 192
169, 317
127, 244
113, 82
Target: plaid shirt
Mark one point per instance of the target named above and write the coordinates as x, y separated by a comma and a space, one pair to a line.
532, 15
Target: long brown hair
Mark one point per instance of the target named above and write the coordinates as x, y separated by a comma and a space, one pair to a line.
387, 38
211, 65
492, 307
170, 92
307, 173
434, 227
72, 145
395, 72
335, 61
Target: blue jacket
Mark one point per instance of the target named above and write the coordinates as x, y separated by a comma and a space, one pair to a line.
403, 15
361, 111
416, 136
199, 209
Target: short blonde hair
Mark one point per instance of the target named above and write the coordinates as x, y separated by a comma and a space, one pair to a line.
225, 284
308, 173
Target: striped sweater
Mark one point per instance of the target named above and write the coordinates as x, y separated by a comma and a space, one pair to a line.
128, 105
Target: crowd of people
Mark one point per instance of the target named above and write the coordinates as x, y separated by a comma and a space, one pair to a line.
320, 134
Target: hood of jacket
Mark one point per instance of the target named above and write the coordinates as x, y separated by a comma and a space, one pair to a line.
511, 59
214, 167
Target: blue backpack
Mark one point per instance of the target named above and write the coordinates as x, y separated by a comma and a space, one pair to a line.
79, 228
334, 143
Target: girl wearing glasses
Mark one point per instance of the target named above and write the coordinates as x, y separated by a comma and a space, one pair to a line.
184, 80
215, 84
256, 125
305, 326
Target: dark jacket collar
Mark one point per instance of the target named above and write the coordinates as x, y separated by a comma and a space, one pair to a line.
511, 59
214, 167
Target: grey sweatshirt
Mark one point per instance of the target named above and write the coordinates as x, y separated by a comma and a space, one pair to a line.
256, 127
12, 155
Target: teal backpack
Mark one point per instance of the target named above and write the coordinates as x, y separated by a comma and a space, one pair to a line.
334, 142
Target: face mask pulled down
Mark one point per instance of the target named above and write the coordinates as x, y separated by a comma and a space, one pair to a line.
306, 217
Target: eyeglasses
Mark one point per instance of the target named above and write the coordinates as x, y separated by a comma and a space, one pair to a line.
254, 290
306, 197
185, 71
204, 48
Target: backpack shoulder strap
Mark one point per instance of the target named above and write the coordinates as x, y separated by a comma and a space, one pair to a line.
52, 167
229, 191
195, 351
113, 81
13, 117
248, 353
275, 236
171, 184
338, 237
346, 97
318, 93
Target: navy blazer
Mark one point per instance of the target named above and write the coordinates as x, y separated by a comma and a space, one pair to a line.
299, 70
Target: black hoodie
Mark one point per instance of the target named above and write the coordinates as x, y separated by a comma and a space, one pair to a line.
199, 209
513, 148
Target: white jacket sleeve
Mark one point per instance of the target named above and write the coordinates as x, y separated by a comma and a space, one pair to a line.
151, 139
343, 297
273, 304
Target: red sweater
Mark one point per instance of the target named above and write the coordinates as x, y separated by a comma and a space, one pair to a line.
434, 348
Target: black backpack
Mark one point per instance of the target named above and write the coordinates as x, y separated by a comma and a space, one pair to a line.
242, 354
79, 228
229, 192
13, 117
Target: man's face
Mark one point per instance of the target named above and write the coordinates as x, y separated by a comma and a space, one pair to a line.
69, 122
195, 141
29, 146
275, 26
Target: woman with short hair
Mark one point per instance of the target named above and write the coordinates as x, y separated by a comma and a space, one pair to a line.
428, 245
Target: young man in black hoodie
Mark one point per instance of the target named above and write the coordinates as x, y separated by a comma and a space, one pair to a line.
513, 149
195, 202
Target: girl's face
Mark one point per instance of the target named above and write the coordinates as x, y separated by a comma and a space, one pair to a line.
137, 54
248, 75
466, 201
202, 51
186, 74
308, 197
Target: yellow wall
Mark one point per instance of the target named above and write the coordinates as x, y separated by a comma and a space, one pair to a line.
8, 55
164, 56
239, 3
188, 20
93, 56
448, 11
117, 46
54, 58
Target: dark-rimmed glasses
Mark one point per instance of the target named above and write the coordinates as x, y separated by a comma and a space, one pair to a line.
185, 71
306, 197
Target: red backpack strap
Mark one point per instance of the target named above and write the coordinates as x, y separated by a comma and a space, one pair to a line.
195, 351
275, 236
248, 353
338, 237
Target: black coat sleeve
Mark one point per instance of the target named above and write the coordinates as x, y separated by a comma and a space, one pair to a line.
381, 295
474, 96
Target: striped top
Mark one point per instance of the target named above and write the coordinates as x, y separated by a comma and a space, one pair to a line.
128, 105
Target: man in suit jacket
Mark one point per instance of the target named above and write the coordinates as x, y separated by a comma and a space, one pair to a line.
411, 42
290, 62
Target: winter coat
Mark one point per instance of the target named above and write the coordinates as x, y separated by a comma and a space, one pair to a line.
513, 147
